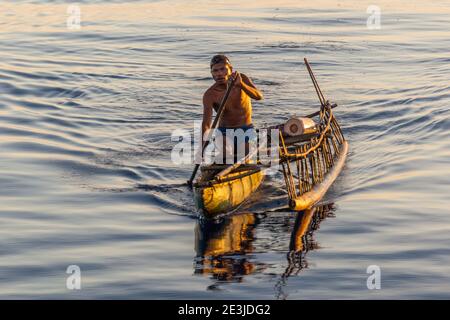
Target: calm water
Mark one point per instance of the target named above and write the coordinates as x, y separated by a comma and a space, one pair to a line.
86, 179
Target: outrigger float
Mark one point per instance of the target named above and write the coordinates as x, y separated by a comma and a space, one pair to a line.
311, 156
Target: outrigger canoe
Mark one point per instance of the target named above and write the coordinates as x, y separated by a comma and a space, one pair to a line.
311, 154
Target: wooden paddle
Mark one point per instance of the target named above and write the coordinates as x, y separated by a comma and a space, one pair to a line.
220, 111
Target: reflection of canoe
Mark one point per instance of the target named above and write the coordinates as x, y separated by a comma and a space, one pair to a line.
226, 250
222, 247
215, 197
302, 241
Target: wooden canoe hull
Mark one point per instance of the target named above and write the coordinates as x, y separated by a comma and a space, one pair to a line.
227, 196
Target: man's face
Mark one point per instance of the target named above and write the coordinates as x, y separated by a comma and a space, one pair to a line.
221, 72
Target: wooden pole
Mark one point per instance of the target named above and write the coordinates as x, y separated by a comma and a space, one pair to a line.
316, 85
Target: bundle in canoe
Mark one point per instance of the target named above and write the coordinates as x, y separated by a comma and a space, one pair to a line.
311, 154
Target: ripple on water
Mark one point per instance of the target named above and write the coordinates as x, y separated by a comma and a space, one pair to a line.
86, 119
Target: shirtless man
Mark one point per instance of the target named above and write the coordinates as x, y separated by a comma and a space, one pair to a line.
238, 108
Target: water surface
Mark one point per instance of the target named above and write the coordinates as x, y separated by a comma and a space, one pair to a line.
86, 118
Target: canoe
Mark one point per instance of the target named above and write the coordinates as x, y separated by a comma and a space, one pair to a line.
214, 197
310, 162
311, 153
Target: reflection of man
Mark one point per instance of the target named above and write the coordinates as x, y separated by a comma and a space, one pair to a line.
238, 108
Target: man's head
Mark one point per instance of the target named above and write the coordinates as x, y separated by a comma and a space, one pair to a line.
221, 68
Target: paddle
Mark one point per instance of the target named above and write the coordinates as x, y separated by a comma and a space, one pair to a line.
220, 111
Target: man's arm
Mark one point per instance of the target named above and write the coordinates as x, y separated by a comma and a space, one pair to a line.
207, 114
249, 88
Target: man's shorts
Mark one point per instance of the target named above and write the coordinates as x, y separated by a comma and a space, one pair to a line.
245, 128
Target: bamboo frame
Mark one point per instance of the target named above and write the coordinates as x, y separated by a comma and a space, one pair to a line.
318, 162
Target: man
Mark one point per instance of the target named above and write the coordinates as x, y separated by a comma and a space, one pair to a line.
238, 108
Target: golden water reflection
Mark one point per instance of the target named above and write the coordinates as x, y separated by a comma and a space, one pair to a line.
227, 251
222, 247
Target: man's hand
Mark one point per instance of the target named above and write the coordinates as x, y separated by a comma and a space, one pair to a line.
236, 76
244, 83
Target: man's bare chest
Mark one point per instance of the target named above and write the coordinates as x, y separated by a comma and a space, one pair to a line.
236, 99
